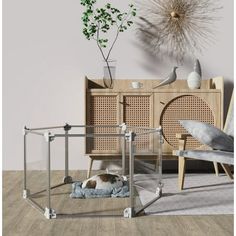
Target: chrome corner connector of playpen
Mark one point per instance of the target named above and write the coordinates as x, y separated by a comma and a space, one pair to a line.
126, 135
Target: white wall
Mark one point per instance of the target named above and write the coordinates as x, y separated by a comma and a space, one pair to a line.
45, 58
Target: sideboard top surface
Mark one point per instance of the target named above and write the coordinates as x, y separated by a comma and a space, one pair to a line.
124, 85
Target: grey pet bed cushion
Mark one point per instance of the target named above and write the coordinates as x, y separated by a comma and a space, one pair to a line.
209, 135
79, 192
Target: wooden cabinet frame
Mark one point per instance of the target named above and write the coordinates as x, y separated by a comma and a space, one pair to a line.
211, 93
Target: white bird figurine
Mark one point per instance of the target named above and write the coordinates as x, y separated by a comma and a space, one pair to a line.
169, 79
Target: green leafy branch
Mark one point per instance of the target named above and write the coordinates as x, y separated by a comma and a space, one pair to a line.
97, 22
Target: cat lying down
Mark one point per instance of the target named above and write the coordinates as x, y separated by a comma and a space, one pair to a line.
101, 186
104, 181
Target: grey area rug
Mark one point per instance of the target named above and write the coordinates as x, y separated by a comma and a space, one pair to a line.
204, 194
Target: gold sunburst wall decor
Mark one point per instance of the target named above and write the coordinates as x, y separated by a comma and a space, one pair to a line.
177, 27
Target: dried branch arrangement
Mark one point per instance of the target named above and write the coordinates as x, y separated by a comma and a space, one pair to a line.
177, 27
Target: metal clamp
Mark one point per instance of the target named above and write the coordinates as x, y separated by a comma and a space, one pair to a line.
49, 137
123, 127
24, 130
129, 212
161, 134
161, 140
26, 193
67, 127
159, 129
50, 213
130, 136
159, 191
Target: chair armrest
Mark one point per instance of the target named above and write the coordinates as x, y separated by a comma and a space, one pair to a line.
182, 142
174, 152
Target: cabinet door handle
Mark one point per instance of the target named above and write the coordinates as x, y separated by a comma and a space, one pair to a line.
124, 103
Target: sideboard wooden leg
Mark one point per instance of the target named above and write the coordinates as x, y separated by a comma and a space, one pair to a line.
90, 167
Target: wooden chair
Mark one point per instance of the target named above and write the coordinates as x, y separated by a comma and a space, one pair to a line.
224, 158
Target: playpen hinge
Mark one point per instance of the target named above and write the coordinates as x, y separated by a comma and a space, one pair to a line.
26, 193
130, 136
25, 130
129, 212
67, 127
123, 127
49, 137
50, 213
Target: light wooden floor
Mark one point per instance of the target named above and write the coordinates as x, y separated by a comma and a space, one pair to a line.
19, 218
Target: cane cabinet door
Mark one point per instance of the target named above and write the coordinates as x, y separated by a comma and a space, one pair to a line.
137, 111
102, 109
172, 107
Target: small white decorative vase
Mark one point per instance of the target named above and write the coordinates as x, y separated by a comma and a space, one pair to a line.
194, 80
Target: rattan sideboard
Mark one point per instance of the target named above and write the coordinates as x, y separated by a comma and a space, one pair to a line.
148, 107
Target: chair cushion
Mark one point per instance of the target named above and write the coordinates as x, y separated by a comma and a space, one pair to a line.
208, 155
208, 134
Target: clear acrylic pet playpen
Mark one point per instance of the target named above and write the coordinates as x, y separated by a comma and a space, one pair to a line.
41, 151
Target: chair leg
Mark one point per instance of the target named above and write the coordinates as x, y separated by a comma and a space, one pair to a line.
181, 172
90, 167
216, 168
227, 170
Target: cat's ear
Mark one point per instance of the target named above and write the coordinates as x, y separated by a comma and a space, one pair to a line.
124, 178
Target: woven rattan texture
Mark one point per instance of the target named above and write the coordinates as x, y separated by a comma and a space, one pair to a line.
103, 111
187, 107
136, 112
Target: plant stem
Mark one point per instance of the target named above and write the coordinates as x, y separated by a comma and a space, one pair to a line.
106, 60
117, 34
98, 43
111, 79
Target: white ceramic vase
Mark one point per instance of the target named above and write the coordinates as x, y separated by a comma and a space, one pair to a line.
194, 80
